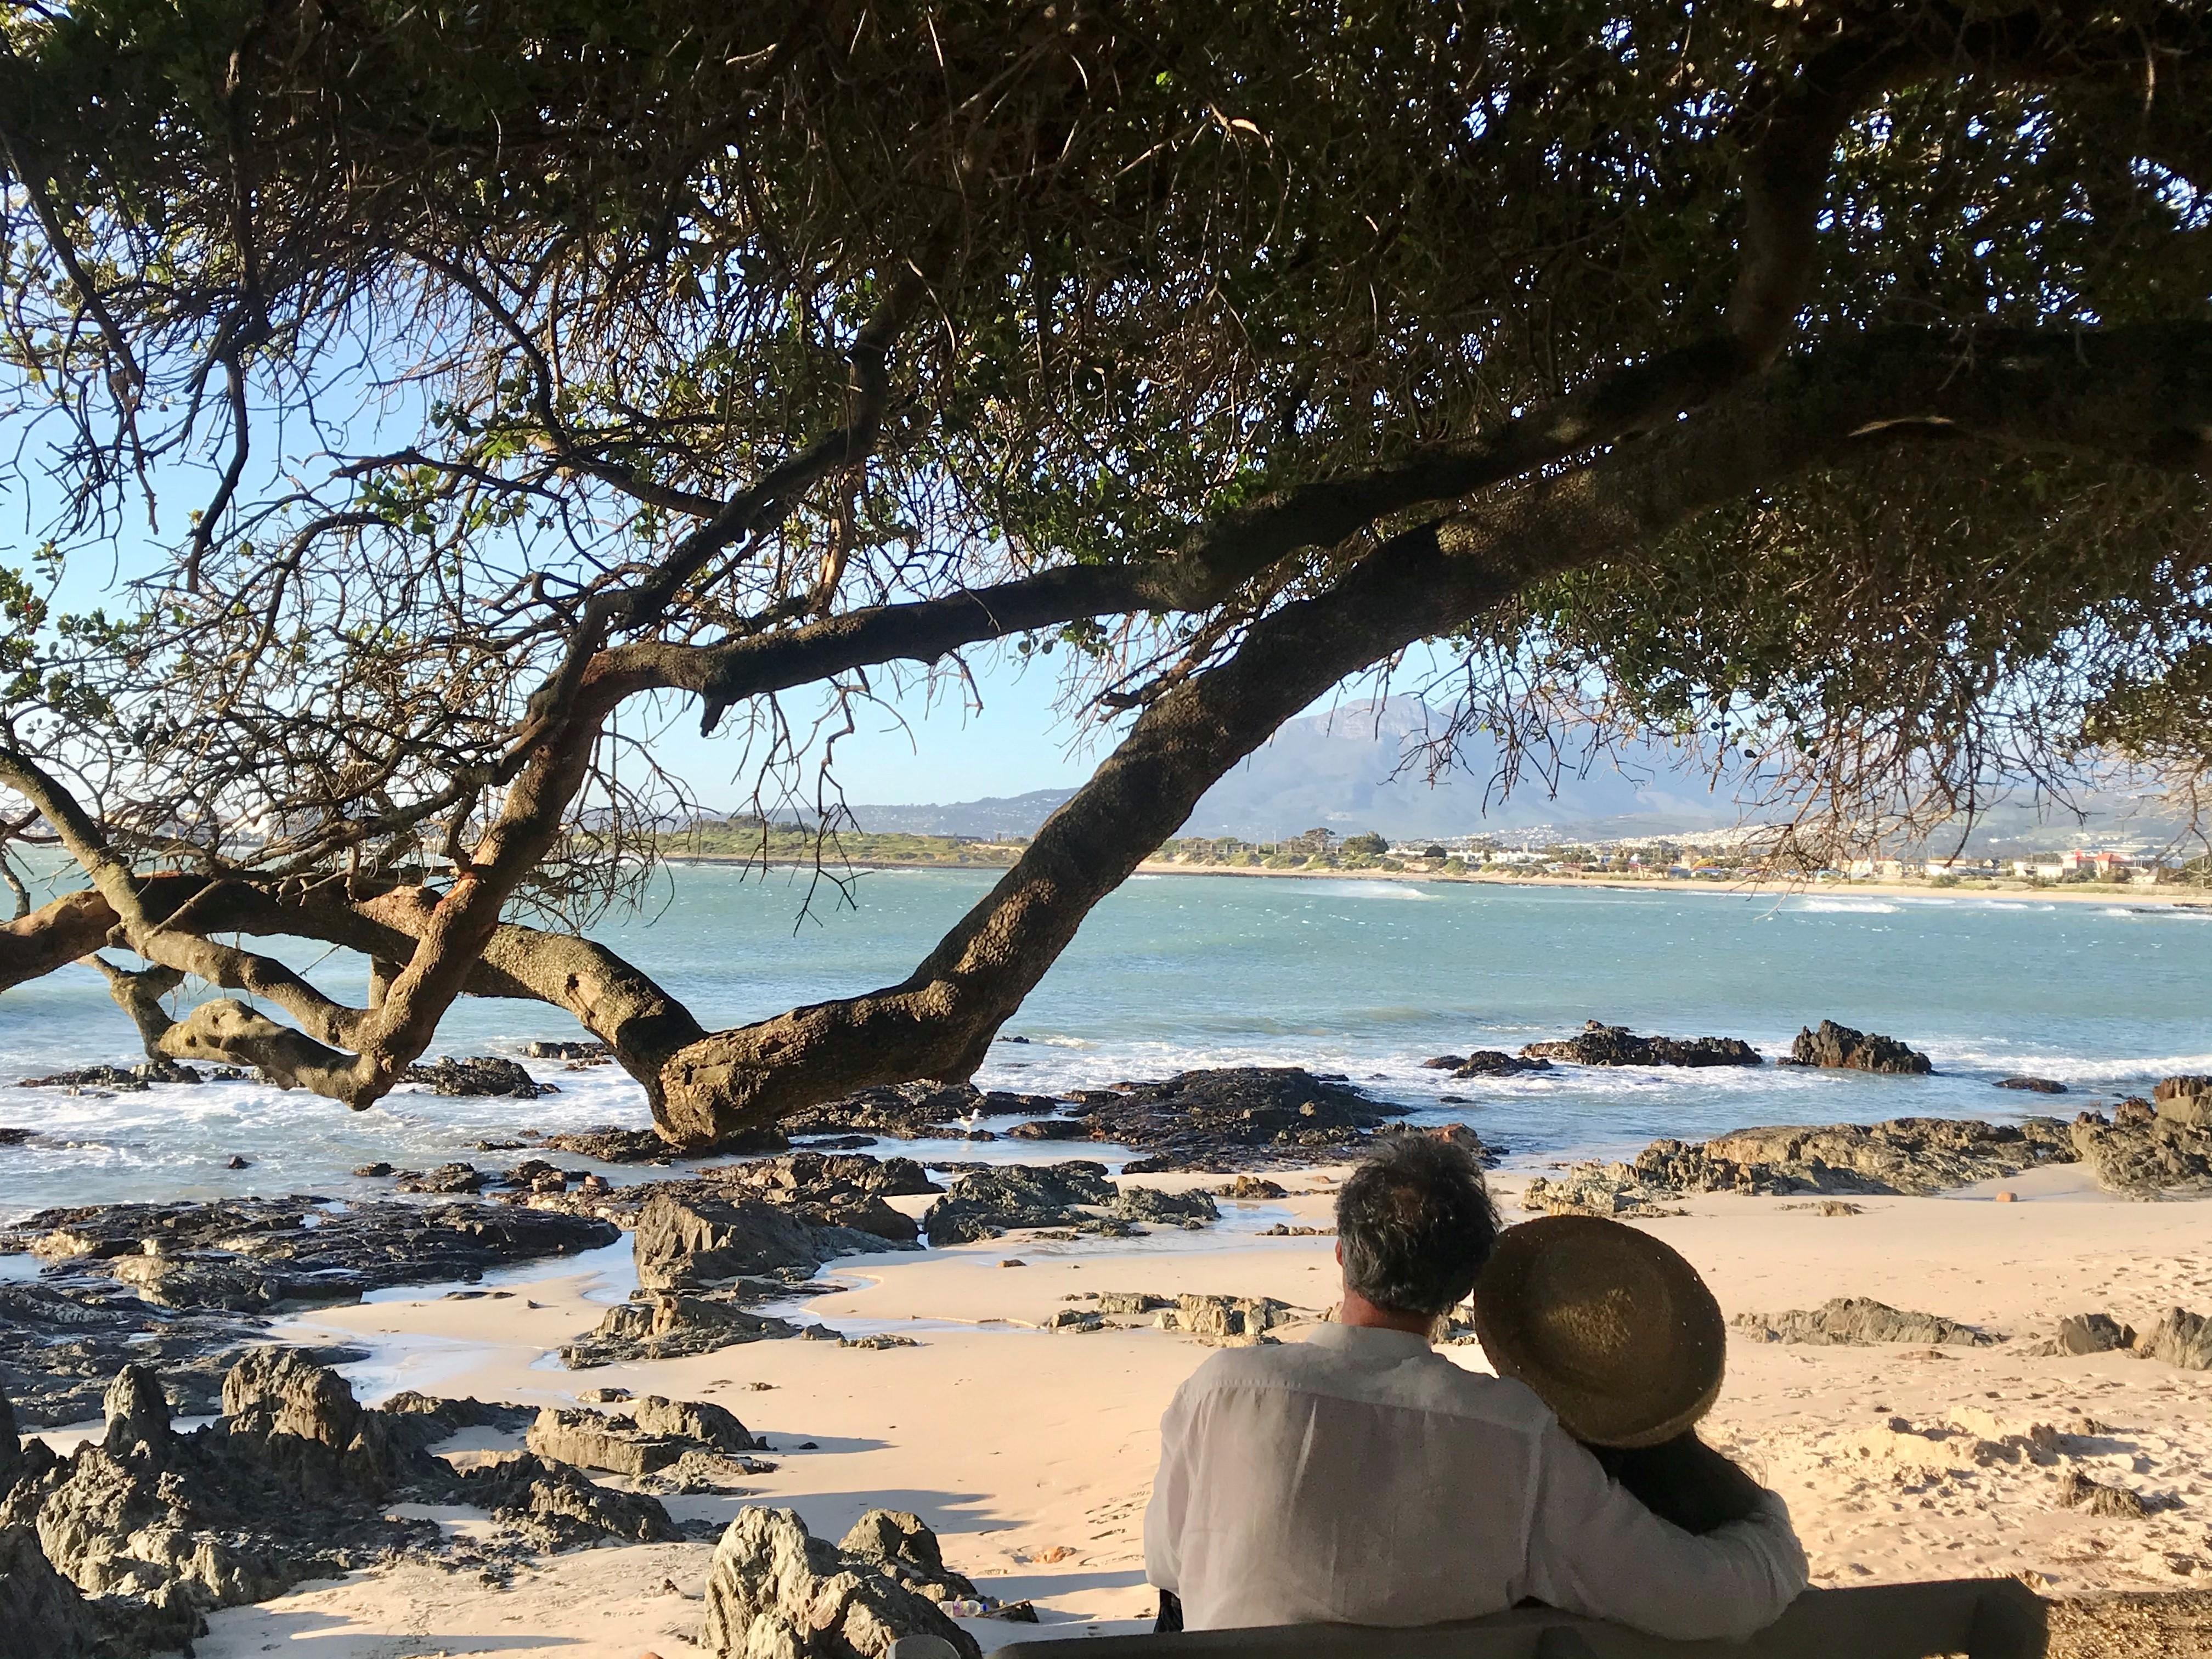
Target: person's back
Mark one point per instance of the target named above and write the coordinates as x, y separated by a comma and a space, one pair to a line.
1362, 1478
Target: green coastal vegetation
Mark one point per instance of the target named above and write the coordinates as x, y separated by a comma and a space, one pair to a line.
740, 839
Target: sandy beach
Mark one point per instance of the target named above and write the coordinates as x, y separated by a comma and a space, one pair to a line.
1031, 1453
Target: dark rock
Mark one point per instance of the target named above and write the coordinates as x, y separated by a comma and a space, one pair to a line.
610, 1145
1051, 1128
557, 1508
446, 1178
1859, 1321
235, 1162
128, 1079
777, 1592
2184, 1100
1616, 1045
429, 1419
2143, 1156
2180, 1338
373, 1171
482, 1074
1835, 1046
1496, 1062
1237, 1117
42, 1614
2041, 1085
910, 1111
666, 1326
990, 1202
1444, 1063
1150, 1204
555, 1049
10, 1136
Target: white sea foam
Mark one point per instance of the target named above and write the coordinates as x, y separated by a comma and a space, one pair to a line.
1844, 907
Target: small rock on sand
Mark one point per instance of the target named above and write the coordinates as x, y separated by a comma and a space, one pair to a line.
2180, 1338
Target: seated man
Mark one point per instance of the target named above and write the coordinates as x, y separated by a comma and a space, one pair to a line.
1359, 1477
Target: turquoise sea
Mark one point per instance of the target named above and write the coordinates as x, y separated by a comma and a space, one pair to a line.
1366, 978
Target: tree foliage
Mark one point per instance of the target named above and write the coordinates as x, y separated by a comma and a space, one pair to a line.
1829, 380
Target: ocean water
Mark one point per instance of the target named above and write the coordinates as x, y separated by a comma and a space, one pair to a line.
1366, 978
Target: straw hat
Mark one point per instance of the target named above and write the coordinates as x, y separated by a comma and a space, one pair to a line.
1614, 1331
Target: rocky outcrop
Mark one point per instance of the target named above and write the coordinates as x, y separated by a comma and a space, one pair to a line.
2184, 1100
2038, 1085
610, 1143
181, 1286
1232, 1118
652, 1435
123, 1079
1835, 1047
2144, 1155
482, 1074
2076, 1490
2084, 1333
1248, 1187
667, 1325
689, 1236
986, 1203
2180, 1338
42, 1614
1616, 1045
1051, 1128
297, 1480
1172, 1209
1227, 1321
777, 1592
1858, 1321
1906, 1155
896, 1542
911, 1111
1496, 1062
556, 1049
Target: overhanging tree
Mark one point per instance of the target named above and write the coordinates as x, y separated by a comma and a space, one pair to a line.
1833, 379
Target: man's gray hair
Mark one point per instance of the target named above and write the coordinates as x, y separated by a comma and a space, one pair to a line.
1416, 1224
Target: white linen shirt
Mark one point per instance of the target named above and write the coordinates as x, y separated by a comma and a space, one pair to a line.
1361, 1478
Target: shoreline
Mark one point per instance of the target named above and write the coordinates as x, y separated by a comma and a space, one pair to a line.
1031, 1451
2163, 896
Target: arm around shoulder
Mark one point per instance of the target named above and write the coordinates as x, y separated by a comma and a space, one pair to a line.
1593, 1549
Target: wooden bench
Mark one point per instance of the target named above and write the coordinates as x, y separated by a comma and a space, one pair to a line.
1980, 1618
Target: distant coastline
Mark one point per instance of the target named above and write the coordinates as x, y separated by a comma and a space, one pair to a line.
2177, 898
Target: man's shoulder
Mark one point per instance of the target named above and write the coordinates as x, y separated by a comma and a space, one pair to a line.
1431, 1383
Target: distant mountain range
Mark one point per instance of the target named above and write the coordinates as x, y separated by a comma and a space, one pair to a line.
1341, 771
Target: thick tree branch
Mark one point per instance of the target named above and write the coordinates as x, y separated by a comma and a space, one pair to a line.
2142, 393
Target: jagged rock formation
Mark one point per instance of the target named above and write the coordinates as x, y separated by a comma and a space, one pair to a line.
1251, 1187
2084, 1333
652, 1435
777, 1592
1860, 1321
985, 1203
2184, 1100
294, 1481
896, 1542
1906, 1155
1240, 1116
665, 1325
482, 1074
1616, 1045
1840, 1047
2144, 1155
124, 1080
42, 1614
2180, 1338
1227, 1321
556, 1049
202, 1271
691, 1234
